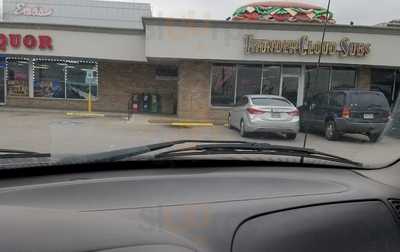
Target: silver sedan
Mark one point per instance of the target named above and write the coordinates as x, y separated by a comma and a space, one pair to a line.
265, 113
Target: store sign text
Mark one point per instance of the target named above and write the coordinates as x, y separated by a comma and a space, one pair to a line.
304, 46
16, 41
23, 9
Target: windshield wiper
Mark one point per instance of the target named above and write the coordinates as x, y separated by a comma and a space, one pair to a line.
9, 154
255, 149
117, 155
210, 148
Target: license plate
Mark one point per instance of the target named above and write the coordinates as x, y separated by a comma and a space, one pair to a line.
369, 116
276, 115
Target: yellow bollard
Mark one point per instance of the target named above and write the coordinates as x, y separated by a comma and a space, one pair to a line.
90, 108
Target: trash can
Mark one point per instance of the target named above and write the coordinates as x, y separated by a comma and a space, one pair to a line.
155, 103
146, 103
136, 108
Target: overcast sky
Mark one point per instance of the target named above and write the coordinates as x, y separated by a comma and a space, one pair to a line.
362, 12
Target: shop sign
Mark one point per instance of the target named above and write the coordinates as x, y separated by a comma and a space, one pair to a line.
23, 9
304, 46
16, 41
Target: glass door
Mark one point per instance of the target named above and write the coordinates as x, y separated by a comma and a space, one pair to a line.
290, 84
2, 87
290, 88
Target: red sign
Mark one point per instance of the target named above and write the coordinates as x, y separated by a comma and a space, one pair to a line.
15, 41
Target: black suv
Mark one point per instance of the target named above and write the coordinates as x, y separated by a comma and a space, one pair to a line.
346, 111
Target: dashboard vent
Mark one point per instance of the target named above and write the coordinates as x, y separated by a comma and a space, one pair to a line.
396, 206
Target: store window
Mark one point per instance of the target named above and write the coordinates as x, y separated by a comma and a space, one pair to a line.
81, 80
271, 82
383, 80
167, 72
343, 78
249, 80
65, 79
49, 79
17, 78
316, 81
223, 85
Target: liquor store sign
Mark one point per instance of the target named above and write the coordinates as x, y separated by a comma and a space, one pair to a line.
304, 47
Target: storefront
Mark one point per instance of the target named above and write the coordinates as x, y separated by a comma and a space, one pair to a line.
198, 68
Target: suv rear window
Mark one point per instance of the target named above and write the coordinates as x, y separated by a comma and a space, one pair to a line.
368, 99
270, 102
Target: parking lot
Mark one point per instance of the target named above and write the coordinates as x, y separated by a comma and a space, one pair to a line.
58, 134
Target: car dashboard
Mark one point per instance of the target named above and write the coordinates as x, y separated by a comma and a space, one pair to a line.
200, 209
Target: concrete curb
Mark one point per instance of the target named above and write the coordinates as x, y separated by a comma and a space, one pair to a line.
55, 111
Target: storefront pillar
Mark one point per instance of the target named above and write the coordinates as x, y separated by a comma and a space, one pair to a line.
364, 78
194, 90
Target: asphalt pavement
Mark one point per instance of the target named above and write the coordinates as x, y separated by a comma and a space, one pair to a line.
61, 135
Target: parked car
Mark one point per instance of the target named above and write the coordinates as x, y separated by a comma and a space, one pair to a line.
265, 113
346, 111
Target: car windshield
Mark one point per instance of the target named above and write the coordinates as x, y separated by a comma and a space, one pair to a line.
270, 102
369, 99
88, 77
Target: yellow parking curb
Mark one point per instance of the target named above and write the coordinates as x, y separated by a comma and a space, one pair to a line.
84, 114
189, 125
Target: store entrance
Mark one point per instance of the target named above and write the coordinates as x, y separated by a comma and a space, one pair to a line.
283, 81
2, 87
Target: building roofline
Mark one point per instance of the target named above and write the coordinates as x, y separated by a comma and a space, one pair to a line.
76, 28
257, 25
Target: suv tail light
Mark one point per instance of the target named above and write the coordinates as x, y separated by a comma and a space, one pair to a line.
254, 111
294, 113
346, 112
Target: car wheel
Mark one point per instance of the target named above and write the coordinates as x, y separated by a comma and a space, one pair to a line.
243, 132
230, 122
291, 136
330, 131
374, 137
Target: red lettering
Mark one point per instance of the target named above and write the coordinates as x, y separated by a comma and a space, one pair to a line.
15, 40
30, 41
45, 42
3, 42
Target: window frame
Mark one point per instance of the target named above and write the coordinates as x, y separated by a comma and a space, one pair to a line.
78, 61
263, 66
6, 79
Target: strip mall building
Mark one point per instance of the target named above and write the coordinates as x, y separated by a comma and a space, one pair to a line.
54, 52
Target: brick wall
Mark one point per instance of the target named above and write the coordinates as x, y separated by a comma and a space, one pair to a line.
117, 82
194, 90
194, 93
